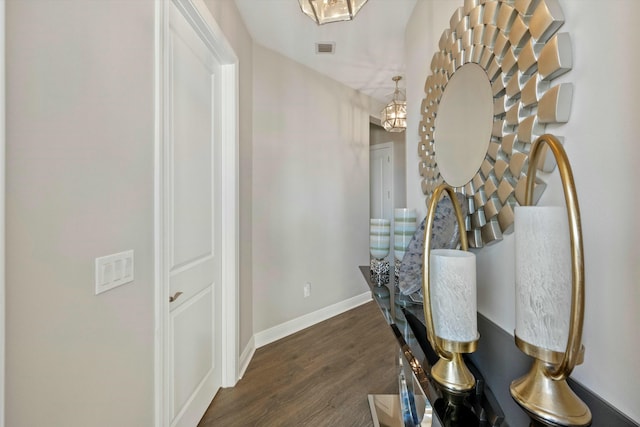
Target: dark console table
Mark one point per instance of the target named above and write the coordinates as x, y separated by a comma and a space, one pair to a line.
422, 402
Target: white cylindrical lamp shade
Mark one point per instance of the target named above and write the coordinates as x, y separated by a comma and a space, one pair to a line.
404, 227
543, 276
452, 280
379, 237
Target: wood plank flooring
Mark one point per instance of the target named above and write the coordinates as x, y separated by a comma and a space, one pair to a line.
317, 377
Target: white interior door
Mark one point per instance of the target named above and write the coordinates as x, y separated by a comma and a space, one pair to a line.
381, 181
192, 222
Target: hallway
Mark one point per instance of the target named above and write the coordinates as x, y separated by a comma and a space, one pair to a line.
317, 377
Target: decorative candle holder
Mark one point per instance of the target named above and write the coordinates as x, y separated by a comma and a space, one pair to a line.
404, 227
449, 289
549, 301
379, 243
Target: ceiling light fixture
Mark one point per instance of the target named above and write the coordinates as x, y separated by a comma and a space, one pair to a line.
394, 116
326, 11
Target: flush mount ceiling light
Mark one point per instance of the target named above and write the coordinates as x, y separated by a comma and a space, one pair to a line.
394, 116
326, 11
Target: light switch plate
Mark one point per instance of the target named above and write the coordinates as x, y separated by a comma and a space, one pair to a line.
113, 270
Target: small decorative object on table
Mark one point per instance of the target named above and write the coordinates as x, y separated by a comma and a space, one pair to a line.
404, 226
379, 243
445, 234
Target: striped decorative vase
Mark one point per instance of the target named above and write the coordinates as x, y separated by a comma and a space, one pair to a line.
404, 227
379, 245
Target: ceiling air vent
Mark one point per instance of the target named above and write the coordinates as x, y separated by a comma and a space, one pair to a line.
325, 47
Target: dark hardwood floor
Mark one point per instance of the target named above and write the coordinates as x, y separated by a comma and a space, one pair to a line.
317, 377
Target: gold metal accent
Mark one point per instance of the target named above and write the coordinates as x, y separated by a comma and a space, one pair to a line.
544, 354
458, 346
450, 371
175, 296
544, 392
549, 402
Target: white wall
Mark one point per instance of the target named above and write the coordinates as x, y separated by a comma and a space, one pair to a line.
310, 190
423, 32
601, 142
80, 177
79, 185
377, 135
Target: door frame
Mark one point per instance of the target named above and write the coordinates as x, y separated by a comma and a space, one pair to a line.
203, 22
2, 210
391, 197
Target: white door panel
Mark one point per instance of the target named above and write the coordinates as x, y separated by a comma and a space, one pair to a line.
192, 80
192, 351
190, 279
192, 227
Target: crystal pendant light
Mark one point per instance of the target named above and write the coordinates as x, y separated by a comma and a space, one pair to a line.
394, 116
326, 11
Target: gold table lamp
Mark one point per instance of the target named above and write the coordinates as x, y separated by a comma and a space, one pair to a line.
457, 270
549, 302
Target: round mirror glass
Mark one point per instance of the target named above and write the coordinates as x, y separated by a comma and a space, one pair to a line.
463, 125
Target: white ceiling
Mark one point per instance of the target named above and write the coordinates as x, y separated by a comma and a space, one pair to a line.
369, 50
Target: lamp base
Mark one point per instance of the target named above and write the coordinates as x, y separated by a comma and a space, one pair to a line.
549, 402
453, 374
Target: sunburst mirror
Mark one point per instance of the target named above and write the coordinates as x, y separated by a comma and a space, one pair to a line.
490, 95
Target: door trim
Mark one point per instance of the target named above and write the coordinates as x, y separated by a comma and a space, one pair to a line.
200, 17
2, 210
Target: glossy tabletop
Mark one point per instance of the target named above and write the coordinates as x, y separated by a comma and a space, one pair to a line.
406, 319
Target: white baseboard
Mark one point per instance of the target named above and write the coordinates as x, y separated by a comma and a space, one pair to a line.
246, 356
292, 326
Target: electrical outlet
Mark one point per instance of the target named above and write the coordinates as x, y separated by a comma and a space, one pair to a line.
307, 290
